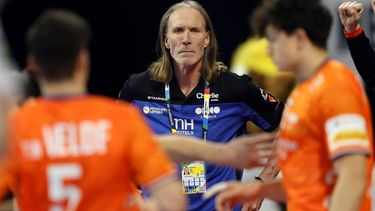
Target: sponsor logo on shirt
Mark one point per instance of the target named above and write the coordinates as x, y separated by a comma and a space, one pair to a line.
156, 98
213, 96
347, 132
286, 146
153, 110
345, 135
267, 97
212, 111
184, 126
290, 119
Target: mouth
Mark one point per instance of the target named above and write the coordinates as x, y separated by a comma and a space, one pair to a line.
186, 52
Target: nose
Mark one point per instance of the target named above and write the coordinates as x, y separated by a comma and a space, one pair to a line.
186, 38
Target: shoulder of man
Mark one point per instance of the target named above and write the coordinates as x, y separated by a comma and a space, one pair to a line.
237, 82
137, 85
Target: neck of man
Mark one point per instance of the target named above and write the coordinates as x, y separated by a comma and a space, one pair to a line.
188, 78
62, 88
311, 63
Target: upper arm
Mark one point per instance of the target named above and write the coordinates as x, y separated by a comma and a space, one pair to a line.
266, 106
363, 56
168, 193
346, 116
355, 164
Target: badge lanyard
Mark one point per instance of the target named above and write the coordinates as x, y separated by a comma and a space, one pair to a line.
193, 173
206, 109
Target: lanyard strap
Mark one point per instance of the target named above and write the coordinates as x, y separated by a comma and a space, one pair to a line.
206, 109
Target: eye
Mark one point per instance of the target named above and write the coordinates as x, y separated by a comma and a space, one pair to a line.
178, 30
195, 29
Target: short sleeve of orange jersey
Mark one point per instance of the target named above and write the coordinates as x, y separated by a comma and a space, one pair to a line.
150, 163
345, 113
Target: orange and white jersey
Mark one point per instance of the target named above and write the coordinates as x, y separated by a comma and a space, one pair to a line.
81, 153
326, 117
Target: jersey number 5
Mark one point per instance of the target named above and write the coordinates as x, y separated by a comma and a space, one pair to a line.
58, 192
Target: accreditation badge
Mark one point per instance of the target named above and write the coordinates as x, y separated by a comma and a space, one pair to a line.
193, 177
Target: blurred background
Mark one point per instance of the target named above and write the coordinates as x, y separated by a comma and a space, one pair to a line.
124, 33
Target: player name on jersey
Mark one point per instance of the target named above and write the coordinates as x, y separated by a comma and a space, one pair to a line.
69, 139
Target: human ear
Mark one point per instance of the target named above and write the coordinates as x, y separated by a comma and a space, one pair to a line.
207, 40
166, 43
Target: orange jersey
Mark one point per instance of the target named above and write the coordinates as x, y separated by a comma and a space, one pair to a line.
326, 116
81, 153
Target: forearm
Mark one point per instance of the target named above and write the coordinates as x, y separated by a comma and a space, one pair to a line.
363, 57
169, 197
273, 190
271, 170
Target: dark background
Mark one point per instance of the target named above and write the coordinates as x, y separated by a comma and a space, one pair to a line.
124, 32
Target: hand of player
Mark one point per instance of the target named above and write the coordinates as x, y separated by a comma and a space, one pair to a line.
231, 194
253, 206
350, 14
249, 150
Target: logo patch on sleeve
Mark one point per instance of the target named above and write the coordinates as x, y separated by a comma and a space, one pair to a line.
267, 97
347, 132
